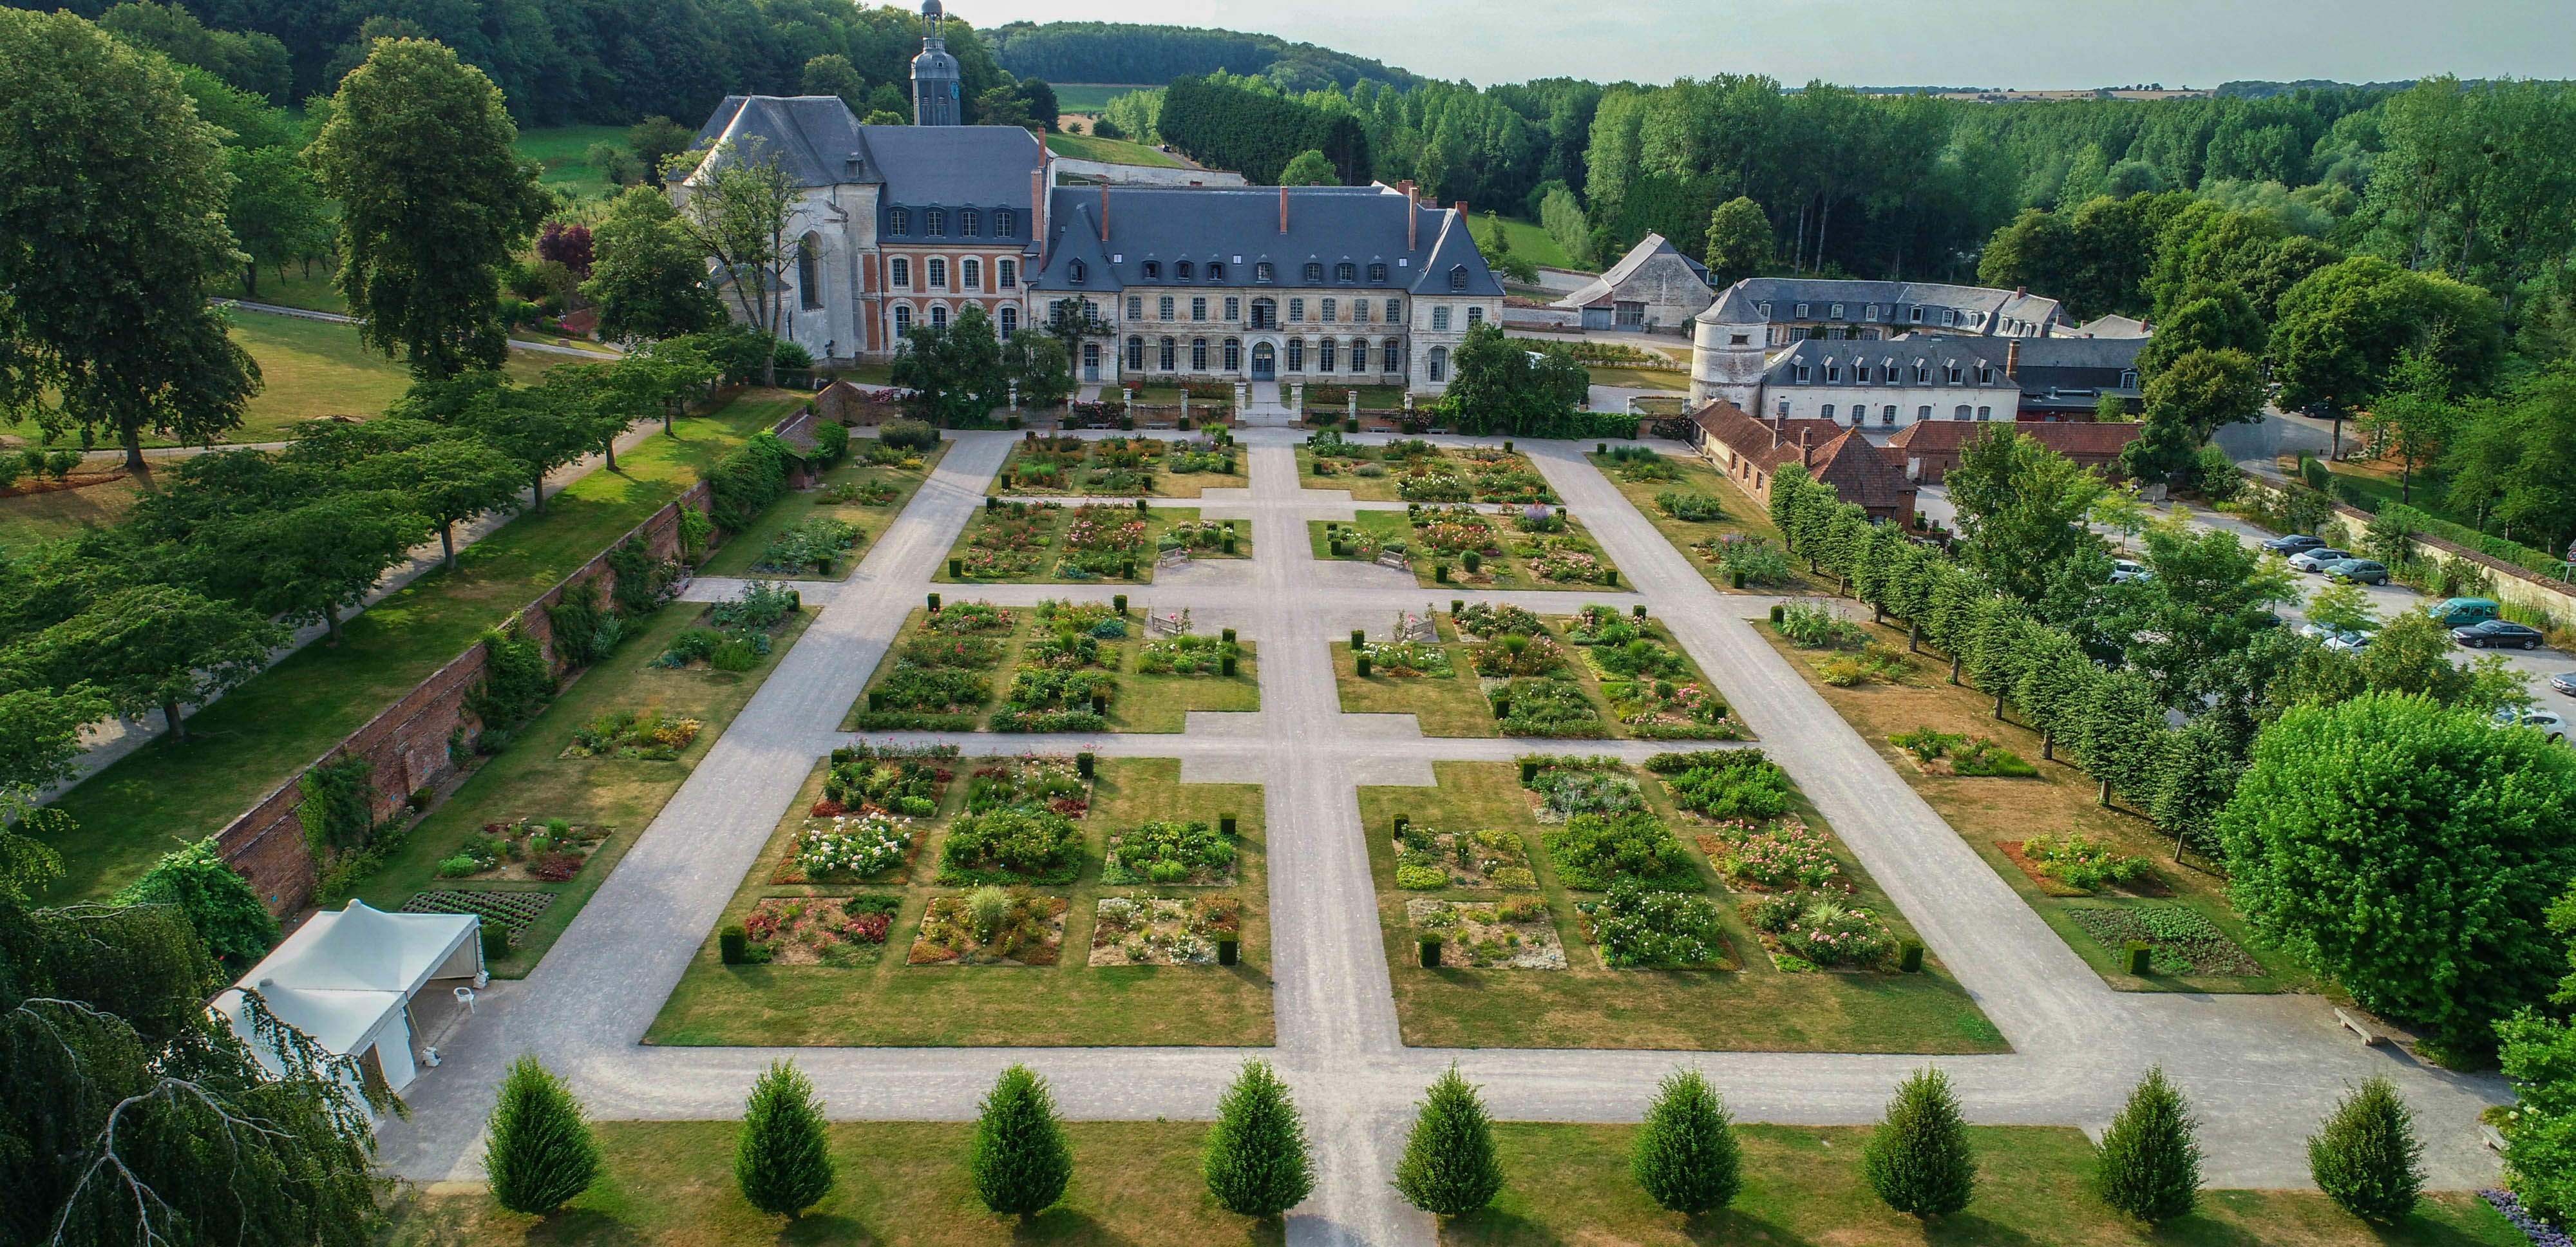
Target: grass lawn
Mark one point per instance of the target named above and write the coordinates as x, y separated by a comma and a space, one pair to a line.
2378, 480
530, 780
1528, 238
672, 1183
737, 554
1107, 151
1451, 705
1744, 515
261, 734
1802, 1185
1641, 378
891, 1003
29, 518
1145, 702
1587, 1005
1988, 810
1372, 398
1053, 522
317, 291
1509, 570
565, 153
316, 368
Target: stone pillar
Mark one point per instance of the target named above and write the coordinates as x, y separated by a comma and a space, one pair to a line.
1297, 400
1242, 396
1355, 405
1015, 396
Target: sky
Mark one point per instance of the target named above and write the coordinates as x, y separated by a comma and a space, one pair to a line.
2022, 44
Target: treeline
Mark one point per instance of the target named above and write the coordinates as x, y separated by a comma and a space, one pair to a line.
562, 62
1124, 52
1228, 122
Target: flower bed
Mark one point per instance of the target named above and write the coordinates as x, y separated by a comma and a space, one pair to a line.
1815, 931
892, 779
1025, 930
2180, 939
966, 618
814, 542
1565, 560
1949, 753
1516, 934
1725, 784
1169, 852
1486, 621
1641, 927
1514, 654
1592, 852
819, 930
1548, 708
847, 848
1209, 535
1015, 845
512, 911
1030, 782
1605, 625
1570, 786
647, 734
1761, 561
1409, 659
1186, 655
1427, 858
1779, 857
1666, 710
2079, 863
542, 852
1162, 931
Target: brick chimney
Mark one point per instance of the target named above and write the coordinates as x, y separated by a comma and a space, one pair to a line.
1283, 209
1462, 209
1412, 218
2012, 358
1104, 212
1776, 426
1037, 212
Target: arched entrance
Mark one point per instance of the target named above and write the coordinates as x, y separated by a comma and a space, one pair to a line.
1265, 362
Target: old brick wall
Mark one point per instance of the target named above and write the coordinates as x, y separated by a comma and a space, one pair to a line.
408, 743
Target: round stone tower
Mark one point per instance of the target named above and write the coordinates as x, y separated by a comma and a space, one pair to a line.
935, 90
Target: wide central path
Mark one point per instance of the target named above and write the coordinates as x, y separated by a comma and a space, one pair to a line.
2261, 1069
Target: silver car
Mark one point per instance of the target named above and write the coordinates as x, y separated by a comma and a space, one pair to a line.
2350, 641
2316, 560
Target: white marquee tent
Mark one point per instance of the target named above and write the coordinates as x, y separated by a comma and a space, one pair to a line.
347, 979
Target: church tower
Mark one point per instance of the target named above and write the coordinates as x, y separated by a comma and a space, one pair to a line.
934, 73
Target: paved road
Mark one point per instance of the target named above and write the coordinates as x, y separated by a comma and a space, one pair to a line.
2262, 1070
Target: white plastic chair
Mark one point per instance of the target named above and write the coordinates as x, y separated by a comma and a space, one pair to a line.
465, 997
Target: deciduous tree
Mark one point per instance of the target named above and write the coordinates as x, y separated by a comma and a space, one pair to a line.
2021, 508
1739, 242
159, 647
733, 209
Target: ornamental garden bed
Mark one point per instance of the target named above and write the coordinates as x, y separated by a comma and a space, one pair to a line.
1654, 689
1460, 546
2180, 939
511, 910
941, 670
1042, 542
1427, 858
1163, 930
1428, 680
1637, 927
1171, 853
1816, 930
990, 927
646, 734
849, 848
1513, 934
1953, 753
2075, 864
840, 931
548, 851
735, 635
1062, 466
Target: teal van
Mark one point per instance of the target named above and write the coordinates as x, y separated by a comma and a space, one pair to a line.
2457, 612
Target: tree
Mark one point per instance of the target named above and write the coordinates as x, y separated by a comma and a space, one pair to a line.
955, 369
433, 201
2208, 597
648, 279
2366, 1158
2342, 327
305, 564
40, 733
733, 209
533, 425
249, 61
2149, 1165
2428, 909
112, 196
1739, 242
783, 1158
1020, 1160
1685, 1154
2207, 390
1256, 1163
2514, 462
218, 902
2217, 318
832, 74
1918, 1158
2021, 508
1448, 1168
160, 647
2344, 608
277, 212
2413, 418
1037, 364
1561, 214
1309, 169
539, 1152
448, 480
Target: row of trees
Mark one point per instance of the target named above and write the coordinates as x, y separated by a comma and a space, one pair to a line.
1125, 52
1235, 123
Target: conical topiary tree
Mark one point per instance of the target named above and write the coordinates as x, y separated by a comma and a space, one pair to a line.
1021, 1160
1686, 1155
2149, 1166
1256, 1161
1918, 1159
1448, 1166
783, 1160
540, 1153
2367, 1157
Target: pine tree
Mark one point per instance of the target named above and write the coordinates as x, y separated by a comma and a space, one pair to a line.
1686, 1155
783, 1160
541, 1153
1021, 1160
2367, 1157
1256, 1155
2149, 1167
1918, 1158
1448, 1166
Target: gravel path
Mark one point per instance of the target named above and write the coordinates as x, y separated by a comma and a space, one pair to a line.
2261, 1069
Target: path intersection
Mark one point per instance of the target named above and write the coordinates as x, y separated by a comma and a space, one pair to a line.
2261, 1070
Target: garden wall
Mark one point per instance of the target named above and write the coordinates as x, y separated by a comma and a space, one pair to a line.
2515, 585
407, 743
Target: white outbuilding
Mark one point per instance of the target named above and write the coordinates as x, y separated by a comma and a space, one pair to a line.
349, 980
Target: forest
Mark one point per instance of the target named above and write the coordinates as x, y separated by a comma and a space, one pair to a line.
1119, 52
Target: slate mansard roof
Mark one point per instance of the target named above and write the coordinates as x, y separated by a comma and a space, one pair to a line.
1741, 303
1239, 228
2038, 364
820, 143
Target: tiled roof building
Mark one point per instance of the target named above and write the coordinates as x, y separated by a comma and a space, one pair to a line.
1751, 453
1931, 449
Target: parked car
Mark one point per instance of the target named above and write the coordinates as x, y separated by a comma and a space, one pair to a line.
2316, 560
2315, 631
2350, 641
2294, 544
2360, 571
2455, 612
2123, 571
2548, 723
2565, 682
2497, 633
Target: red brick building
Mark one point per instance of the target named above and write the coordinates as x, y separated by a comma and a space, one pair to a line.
1750, 452
1929, 450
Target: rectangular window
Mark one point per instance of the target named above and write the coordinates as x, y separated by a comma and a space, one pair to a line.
1784, 403
1165, 359
1198, 309
1953, 374
1476, 314
1135, 307
1296, 310
1802, 312
1629, 315
1833, 374
1829, 411
901, 270
1006, 274
1163, 308
938, 274
1838, 311
1887, 416
1332, 312
1324, 356
1440, 319
1234, 309
971, 274
1985, 413
1296, 355
1233, 355
1803, 375
1870, 312
1198, 355
1918, 316
1394, 311
1359, 311
1922, 373
1923, 412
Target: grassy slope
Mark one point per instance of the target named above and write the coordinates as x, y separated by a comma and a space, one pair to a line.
1070, 1003
1111, 151
1529, 239
243, 746
1091, 97
29, 518
563, 150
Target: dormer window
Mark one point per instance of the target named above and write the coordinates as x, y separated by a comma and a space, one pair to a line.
934, 221
1314, 273
1346, 271
1261, 272
2129, 379
1922, 373
1216, 270
1833, 373
898, 220
1183, 270
1918, 315
1005, 222
1950, 317
1153, 270
1985, 374
1803, 374
970, 223
1076, 272
1952, 374
1802, 311
1870, 312
1377, 272
1458, 277
1838, 308
1766, 310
